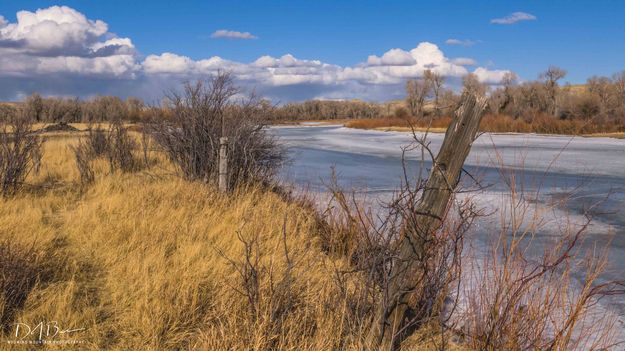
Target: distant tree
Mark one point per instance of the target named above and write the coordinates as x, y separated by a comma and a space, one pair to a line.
551, 77
504, 96
619, 85
106, 108
134, 108
401, 112
34, 107
603, 89
437, 81
471, 83
416, 92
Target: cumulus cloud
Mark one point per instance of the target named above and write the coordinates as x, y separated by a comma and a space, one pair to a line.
232, 34
60, 51
60, 40
463, 42
393, 57
514, 18
167, 63
59, 31
490, 76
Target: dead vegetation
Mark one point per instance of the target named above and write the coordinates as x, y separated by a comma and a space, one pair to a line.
20, 153
412, 257
253, 270
207, 111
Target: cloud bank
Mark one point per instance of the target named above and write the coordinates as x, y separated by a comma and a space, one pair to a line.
514, 18
59, 51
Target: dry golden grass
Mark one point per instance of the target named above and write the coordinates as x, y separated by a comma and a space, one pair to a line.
147, 261
540, 124
400, 124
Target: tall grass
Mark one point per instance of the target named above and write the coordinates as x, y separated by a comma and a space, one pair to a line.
539, 123
149, 261
146, 260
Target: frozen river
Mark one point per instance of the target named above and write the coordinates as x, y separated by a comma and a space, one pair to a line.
589, 172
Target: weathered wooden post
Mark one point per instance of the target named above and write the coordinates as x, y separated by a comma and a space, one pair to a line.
393, 317
223, 164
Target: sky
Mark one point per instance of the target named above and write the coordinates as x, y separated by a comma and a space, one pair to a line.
298, 50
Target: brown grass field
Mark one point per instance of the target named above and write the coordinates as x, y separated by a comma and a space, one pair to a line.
147, 261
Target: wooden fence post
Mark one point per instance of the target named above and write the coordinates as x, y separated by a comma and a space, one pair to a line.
223, 164
392, 318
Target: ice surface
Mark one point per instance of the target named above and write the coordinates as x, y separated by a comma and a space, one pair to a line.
589, 172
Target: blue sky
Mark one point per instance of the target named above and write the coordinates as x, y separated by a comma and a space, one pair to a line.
585, 38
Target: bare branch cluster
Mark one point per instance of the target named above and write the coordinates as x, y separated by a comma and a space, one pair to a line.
20, 153
206, 111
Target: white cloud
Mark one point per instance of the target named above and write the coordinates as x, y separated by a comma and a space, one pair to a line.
55, 31
116, 66
464, 61
266, 61
60, 40
113, 46
168, 63
59, 51
463, 42
514, 18
393, 57
490, 76
232, 34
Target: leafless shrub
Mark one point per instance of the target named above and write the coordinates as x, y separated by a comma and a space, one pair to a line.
206, 111
145, 145
517, 301
120, 148
114, 144
20, 153
522, 303
83, 156
268, 290
371, 242
522, 298
97, 141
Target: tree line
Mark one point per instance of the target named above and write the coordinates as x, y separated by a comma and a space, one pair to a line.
74, 110
597, 106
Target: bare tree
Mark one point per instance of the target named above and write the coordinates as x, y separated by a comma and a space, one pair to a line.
34, 107
619, 83
417, 90
551, 77
504, 96
472, 85
604, 90
437, 81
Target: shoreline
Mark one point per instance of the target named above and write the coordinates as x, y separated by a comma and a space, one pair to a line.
344, 123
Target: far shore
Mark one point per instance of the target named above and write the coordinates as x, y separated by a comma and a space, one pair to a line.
346, 123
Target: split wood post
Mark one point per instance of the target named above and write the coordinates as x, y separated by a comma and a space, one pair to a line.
393, 316
223, 164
